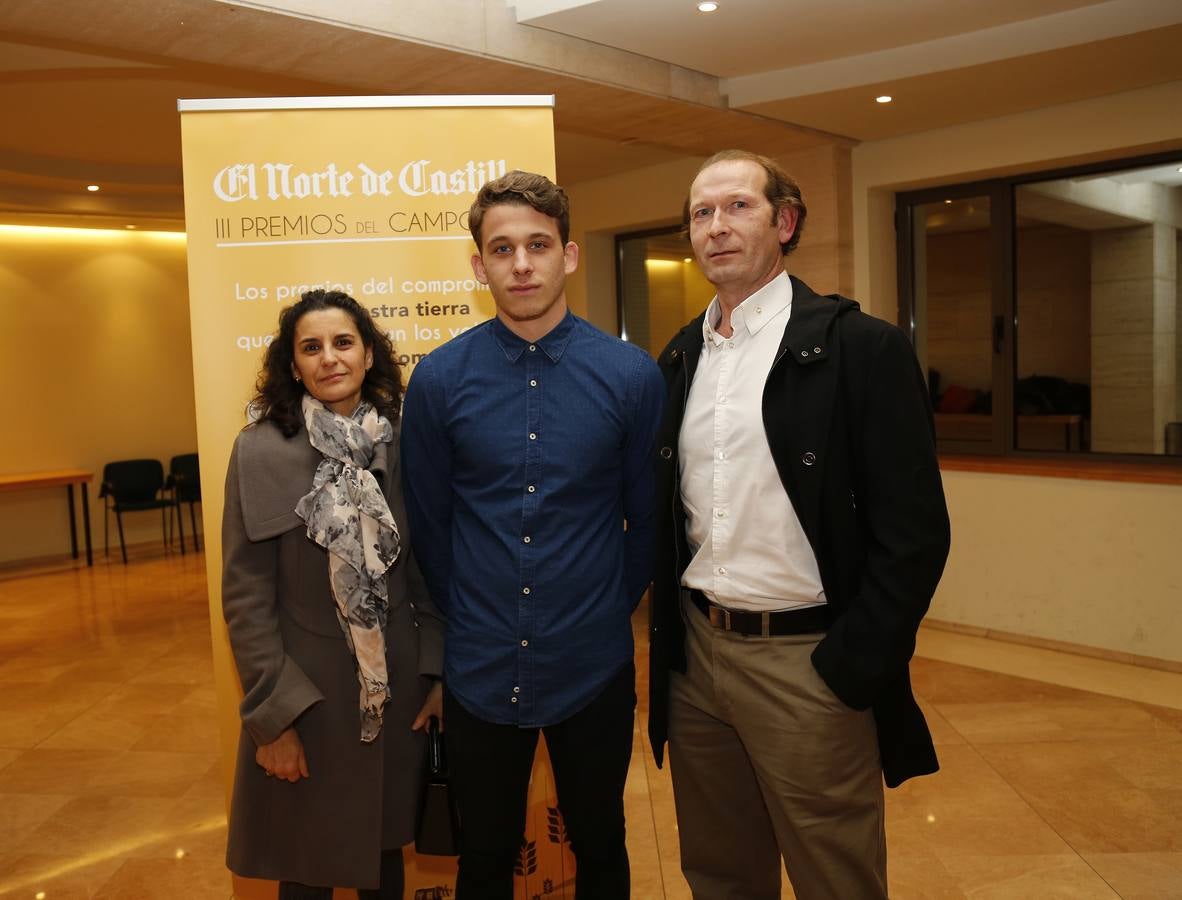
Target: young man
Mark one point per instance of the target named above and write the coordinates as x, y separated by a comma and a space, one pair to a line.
802, 533
527, 444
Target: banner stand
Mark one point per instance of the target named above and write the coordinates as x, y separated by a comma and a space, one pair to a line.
367, 195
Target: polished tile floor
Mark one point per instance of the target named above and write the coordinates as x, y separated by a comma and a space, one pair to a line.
1062, 776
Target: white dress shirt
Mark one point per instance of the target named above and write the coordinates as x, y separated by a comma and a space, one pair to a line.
748, 548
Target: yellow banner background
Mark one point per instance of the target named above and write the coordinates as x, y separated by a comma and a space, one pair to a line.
371, 201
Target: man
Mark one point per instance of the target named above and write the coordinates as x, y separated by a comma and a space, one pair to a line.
802, 532
528, 443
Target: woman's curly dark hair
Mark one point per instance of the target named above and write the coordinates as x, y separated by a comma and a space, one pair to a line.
278, 396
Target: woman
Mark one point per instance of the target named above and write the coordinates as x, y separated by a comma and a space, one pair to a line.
337, 645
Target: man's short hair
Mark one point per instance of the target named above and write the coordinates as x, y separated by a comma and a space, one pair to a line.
523, 189
781, 191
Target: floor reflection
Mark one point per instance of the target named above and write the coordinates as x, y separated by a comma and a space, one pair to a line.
1060, 775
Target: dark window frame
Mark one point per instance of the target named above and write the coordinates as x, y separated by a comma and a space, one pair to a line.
618, 256
1002, 194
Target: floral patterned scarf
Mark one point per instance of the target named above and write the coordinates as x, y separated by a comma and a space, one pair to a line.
347, 514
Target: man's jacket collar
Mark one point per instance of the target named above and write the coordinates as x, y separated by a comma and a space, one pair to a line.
806, 337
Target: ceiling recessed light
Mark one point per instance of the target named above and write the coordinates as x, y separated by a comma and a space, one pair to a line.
946, 201
707, 6
92, 187
129, 227
688, 259
885, 98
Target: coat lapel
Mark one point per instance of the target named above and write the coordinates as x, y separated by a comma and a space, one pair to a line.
274, 472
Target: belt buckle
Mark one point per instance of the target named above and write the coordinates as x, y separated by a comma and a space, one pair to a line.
720, 617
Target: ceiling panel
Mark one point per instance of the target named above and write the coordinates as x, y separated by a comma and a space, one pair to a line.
747, 36
989, 90
105, 112
95, 94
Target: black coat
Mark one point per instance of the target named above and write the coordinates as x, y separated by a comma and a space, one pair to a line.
849, 424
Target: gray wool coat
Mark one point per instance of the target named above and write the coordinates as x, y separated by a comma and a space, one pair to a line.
295, 668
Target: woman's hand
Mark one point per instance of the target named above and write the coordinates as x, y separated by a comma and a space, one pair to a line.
432, 706
283, 757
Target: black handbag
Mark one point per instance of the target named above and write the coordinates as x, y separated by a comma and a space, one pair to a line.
439, 822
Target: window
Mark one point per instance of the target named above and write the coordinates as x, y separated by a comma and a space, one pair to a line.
660, 287
1047, 310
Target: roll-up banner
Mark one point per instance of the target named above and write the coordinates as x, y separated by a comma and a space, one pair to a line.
368, 195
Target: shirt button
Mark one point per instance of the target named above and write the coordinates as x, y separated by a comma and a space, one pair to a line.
722, 399
722, 570
759, 309
730, 345
526, 539
525, 643
816, 349
804, 353
721, 514
532, 436
516, 689
525, 590
533, 347
512, 699
533, 382
722, 454
531, 488
809, 458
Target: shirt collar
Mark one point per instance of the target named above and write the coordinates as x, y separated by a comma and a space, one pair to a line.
552, 343
753, 313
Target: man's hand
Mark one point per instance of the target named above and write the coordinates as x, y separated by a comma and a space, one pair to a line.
284, 757
432, 706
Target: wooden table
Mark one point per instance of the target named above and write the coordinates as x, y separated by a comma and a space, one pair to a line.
68, 478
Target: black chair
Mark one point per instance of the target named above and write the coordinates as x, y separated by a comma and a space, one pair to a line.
184, 480
132, 485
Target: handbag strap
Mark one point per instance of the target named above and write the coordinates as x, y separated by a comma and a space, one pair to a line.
436, 758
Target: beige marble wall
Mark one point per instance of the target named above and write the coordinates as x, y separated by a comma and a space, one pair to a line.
824, 258
1134, 335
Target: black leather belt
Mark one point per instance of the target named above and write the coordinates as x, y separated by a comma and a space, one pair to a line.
810, 620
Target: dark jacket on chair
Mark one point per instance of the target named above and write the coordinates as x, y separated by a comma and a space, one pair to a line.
849, 424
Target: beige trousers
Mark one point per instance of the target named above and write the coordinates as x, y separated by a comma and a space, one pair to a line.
767, 762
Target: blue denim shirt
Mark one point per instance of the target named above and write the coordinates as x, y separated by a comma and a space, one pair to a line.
521, 463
